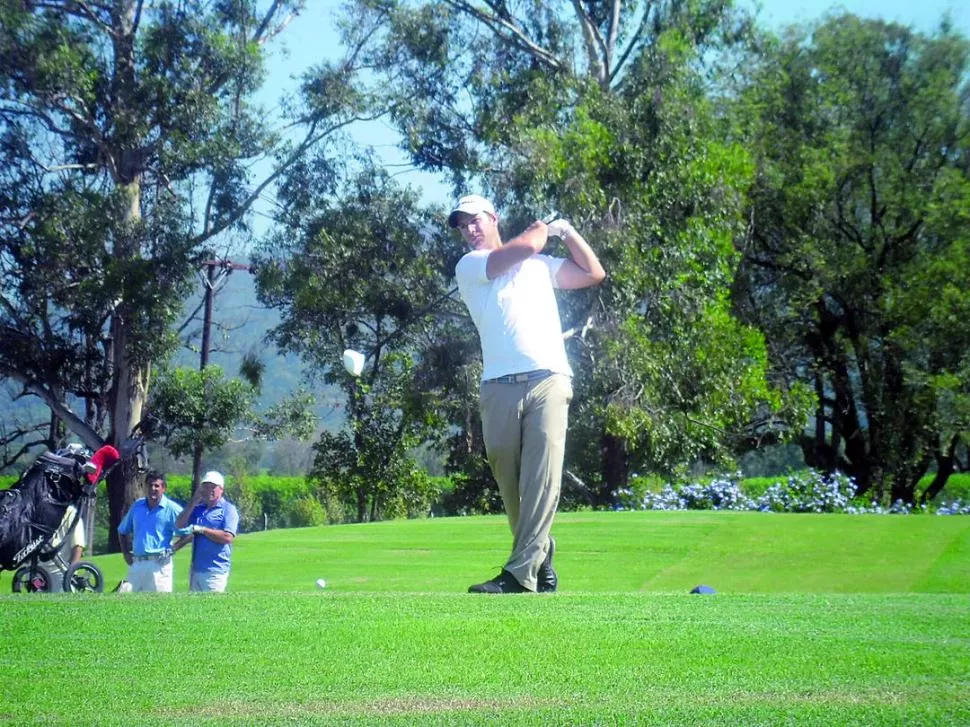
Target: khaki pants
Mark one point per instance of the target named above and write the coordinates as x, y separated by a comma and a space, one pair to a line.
524, 425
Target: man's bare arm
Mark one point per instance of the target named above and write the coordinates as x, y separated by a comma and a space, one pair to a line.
583, 270
519, 248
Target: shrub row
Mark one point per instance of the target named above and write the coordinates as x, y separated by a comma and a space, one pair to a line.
273, 502
263, 501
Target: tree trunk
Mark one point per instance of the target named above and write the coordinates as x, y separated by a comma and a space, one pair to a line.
361, 503
616, 468
129, 389
129, 393
945, 466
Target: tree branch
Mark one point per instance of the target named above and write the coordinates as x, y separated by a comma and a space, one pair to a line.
594, 44
11, 459
263, 33
87, 12
88, 436
294, 156
634, 42
512, 32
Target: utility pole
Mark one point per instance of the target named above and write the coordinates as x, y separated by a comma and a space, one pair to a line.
215, 271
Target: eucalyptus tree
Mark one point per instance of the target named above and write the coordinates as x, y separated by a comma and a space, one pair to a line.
856, 267
605, 112
129, 139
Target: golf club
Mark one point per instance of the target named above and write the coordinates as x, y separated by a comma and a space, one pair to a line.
354, 360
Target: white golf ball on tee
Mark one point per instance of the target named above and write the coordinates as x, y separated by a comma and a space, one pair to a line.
321, 583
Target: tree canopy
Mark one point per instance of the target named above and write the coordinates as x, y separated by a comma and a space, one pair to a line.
359, 265
783, 221
606, 117
128, 135
856, 268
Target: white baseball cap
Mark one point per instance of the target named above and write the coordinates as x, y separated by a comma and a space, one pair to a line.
215, 478
471, 204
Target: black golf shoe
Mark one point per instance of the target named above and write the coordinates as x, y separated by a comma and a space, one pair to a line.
546, 579
504, 582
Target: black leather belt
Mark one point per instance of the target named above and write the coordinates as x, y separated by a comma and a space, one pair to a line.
521, 378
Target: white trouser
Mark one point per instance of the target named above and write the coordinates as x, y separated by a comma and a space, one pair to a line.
151, 576
205, 581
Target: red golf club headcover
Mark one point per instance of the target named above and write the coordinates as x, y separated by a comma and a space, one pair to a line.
104, 458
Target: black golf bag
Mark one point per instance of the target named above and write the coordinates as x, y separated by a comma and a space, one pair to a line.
33, 511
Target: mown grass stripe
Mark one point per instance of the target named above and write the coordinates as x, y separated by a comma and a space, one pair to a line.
396, 640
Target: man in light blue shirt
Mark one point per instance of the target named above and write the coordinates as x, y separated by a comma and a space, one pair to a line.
214, 522
146, 537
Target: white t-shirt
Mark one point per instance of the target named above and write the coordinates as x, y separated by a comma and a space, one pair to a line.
516, 314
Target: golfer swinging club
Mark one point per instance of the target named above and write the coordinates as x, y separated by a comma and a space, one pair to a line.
526, 382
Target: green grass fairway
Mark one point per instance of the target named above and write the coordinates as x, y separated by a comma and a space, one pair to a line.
819, 619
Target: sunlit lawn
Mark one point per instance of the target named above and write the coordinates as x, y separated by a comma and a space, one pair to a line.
818, 620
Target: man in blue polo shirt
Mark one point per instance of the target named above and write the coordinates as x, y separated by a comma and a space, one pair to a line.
214, 522
146, 537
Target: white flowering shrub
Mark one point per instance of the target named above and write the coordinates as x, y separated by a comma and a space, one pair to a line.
810, 491
957, 507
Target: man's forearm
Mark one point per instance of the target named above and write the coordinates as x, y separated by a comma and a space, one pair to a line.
582, 254
583, 269
214, 534
519, 248
183, 519
126, 552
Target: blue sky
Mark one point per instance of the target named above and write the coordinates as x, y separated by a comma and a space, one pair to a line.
310, 39
924, 15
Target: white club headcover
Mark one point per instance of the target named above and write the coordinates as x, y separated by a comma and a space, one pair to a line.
353, 362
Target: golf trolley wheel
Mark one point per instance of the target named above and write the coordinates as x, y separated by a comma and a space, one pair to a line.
83, 576
32, 579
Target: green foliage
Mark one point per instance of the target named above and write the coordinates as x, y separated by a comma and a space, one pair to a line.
957, 488
856, 268
622, 137
364, 273
255, 496
199, 407
247, 501
351, 272
304, 512
370, 469
469, 496
128, 139
291, 417
640, 485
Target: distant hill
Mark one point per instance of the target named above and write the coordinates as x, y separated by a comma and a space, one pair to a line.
240, 326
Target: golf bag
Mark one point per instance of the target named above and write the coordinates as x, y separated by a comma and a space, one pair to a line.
34, 509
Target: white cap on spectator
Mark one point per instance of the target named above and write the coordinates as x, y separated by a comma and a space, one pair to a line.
215, 478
